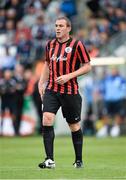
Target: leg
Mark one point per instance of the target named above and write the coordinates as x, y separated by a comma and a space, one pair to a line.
50, 108
71, 108
18, 112
48, 133
77, 138
48, 140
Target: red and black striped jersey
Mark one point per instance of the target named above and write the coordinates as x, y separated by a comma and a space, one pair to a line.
64, 58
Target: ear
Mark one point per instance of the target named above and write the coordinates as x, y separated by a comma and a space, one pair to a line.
69, 29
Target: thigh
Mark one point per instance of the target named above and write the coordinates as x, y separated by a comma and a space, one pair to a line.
50, 102
71, 108
113, 107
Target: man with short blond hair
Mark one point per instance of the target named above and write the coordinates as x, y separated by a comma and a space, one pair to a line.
64, 55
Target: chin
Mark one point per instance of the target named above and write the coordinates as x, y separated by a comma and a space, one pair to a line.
58, 37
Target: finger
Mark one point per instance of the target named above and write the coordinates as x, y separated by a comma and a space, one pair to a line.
58, 79
60, 82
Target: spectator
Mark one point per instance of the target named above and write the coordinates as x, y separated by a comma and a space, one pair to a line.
22, 28
94, 36
36, 97
7, 61
11, 15
24, 49
17, 7
94, 6
2, 20
113, 89
93, 51
69, 8
30, 80
88, 123
52, 12
122, 4
29, 18
39, 35
10, 32
122, 26
20, 89
8, 92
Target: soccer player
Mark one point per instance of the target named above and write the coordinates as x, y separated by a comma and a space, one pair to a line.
66, 58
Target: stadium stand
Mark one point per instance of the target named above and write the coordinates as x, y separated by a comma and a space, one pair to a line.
26, 26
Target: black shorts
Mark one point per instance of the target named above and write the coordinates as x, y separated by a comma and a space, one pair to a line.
114, 108
70, 105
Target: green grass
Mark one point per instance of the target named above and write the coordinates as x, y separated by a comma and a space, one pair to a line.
104, 159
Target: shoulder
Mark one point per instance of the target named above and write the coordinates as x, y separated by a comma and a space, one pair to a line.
78, 42
75, 40
74, 43
50, 43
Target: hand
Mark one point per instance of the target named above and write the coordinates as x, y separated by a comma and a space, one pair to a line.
62, 79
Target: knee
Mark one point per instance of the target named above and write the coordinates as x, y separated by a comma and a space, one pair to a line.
48, 119
74, 127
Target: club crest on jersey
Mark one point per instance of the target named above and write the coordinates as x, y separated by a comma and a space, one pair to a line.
68, 49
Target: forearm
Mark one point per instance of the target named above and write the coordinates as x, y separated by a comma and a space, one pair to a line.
82, 70
45, 74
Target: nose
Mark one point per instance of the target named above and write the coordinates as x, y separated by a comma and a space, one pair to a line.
57, 28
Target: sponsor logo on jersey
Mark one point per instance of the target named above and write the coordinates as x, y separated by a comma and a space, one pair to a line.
59, 58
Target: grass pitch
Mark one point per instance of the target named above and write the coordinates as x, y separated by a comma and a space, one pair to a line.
104, 159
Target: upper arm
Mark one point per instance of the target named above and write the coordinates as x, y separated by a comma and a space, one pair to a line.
47, 52
46, 66
87, 66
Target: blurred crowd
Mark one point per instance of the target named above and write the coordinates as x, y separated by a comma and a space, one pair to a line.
104, 18
105, 99
25, 28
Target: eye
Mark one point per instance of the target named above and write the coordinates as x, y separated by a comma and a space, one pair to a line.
59, 25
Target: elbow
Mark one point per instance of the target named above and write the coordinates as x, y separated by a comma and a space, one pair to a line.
89, 67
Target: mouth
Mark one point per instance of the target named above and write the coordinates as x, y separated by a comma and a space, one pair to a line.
57, 33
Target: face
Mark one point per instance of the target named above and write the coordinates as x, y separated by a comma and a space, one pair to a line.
61, 28
114, 71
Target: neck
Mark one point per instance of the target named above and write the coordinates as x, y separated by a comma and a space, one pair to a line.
63, 39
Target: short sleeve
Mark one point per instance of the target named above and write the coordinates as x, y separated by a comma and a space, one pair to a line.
82, 53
